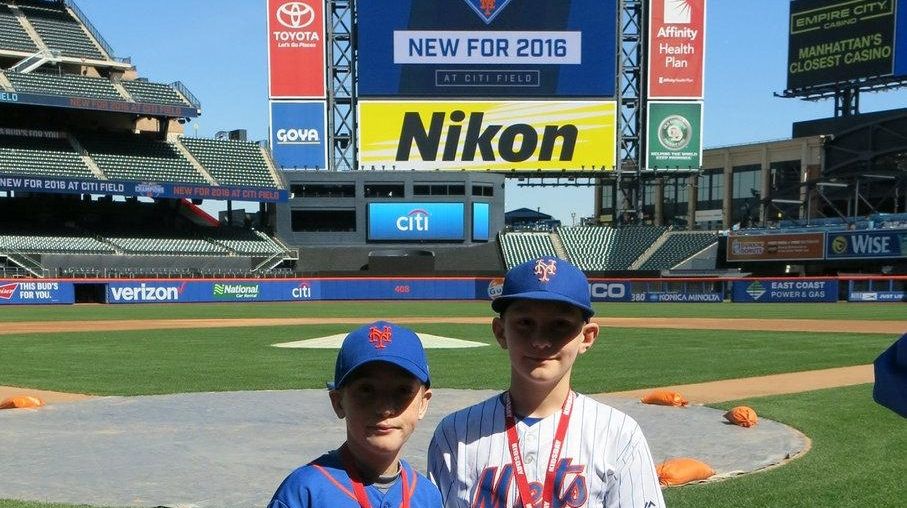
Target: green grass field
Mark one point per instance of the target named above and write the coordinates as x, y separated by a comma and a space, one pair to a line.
858, 447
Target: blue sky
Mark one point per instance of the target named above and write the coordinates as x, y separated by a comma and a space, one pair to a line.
218, 49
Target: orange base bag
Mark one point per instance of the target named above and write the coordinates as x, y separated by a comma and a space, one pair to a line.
682, 470
743, 416
20, 402
664, 398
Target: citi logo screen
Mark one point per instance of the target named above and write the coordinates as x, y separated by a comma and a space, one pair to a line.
415, 221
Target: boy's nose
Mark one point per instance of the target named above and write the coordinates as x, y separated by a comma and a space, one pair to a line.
385, 406
539, 341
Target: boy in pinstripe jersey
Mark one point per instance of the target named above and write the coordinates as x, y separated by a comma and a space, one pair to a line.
539, 444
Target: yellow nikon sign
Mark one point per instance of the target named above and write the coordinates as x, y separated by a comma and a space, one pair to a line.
487, 136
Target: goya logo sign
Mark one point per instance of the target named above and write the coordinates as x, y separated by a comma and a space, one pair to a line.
415, 221
297, 134
144, 292
869, 244
504, 136
236, 291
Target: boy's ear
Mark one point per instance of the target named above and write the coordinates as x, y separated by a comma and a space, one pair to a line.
497, 328
423, 408
337, 403
590, 334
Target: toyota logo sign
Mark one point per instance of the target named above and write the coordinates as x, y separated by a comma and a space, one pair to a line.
295, 15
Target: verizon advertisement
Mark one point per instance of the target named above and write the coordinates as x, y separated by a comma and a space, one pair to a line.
296, 55
676, 49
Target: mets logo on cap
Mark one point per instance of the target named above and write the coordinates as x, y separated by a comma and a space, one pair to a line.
545, 269
379, 337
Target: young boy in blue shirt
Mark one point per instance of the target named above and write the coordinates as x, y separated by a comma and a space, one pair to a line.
381, 388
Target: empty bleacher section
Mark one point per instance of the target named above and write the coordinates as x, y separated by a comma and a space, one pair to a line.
12, 36
59, 30
231, 162
44, 244
127, 157
678, 247
165, 246
67, 235
599, 248
246, 241
68, 85
40, 156
518, 247
153, 93
588, 247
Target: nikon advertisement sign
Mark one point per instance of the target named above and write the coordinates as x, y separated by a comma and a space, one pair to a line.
842, 40
674, 135
487, 135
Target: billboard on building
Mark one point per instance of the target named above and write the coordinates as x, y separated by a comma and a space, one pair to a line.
780, 247
674, 138
866, 244
486, 135
298, 134
833, 41
296, 50
416, 221
481, 48
676, 49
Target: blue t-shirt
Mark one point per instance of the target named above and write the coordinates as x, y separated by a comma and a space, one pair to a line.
325, 483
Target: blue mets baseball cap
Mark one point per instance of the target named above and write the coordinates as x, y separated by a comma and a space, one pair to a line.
546, 279
890, 389
381, 341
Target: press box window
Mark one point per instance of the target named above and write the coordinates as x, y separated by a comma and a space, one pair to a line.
439, 189
323, 221
392, 190
483, 190
320, 190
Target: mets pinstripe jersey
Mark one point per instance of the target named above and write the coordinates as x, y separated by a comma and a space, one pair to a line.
325, 483
604, 461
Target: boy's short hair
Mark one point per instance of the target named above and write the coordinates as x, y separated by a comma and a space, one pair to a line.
547, 279
381, 341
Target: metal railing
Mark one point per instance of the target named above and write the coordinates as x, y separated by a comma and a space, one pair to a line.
181, 88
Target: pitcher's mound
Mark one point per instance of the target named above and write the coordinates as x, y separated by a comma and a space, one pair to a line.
428, 342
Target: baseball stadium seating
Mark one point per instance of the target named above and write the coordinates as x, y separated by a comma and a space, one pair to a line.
231, 162
44, 244
64, 84
245, 241
677, 247
59, 30
588, 247
153, 93
126, 157
166, 246
518, 247
12, 36
40, 156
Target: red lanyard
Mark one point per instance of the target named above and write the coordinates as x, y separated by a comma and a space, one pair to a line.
516, 456
359, 490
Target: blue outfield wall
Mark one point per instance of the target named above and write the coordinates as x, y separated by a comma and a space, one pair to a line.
29, 292
186, 291
769, 290
784, 290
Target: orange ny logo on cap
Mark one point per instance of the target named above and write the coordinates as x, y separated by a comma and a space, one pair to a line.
379, 338
545, 270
